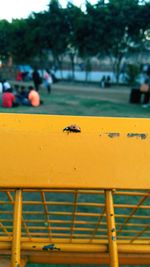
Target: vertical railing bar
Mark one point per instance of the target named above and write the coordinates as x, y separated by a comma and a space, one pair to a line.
24, 223
112, 242
17, 216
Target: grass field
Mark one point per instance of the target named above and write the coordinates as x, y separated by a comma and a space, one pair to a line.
82, 102
85, 101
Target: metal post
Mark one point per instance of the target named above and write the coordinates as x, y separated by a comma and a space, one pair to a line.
17, 216
113, 252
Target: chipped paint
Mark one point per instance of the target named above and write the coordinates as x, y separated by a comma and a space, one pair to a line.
51, 247
142, 136
113, 135
72, 128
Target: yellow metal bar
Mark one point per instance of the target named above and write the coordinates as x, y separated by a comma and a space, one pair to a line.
115, 192
5, 230
64, 156
74, 214
132, 249
17, 218
81, 258
84, 258
85, 248
138, 206
46, 214
124, 241
113, 252
97, 226
122, 193
10, 197
141, 233
86, 223
8, 193
26, 228
100, 205
84, 214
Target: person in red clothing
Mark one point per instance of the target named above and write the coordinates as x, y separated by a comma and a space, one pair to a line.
19, 76
8, 99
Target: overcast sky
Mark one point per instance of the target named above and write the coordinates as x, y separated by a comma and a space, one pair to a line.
22, 8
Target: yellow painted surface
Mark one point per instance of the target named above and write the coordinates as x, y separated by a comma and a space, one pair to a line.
108, 153
79, 248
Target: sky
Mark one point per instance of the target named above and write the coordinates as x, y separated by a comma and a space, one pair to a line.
12, 9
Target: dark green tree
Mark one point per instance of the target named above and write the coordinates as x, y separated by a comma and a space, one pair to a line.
5, 40
19, 41
123, 26
37, 35
72, 16
57, 30
86, 36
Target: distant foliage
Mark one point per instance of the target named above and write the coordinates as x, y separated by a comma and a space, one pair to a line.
132, 72
112, 28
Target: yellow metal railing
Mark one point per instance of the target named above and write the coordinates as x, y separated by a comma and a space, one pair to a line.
75, 221
74, 190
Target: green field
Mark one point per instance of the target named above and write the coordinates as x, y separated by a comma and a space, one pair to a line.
82, 101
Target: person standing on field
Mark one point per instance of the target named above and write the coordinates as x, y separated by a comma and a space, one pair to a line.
36, 79
48, 80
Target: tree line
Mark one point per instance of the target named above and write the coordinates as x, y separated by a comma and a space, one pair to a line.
111, 28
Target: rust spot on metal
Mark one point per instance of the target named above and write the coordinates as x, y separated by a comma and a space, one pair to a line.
72, 128
113, 135
142, 136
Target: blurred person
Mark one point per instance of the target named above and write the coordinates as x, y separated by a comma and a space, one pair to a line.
48, 80
36, 79
1, 87
33, 97
16, 89
6, 85
22, 96
108, 81
19, 76
103, 82
145, 93
23, 92
8, 99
